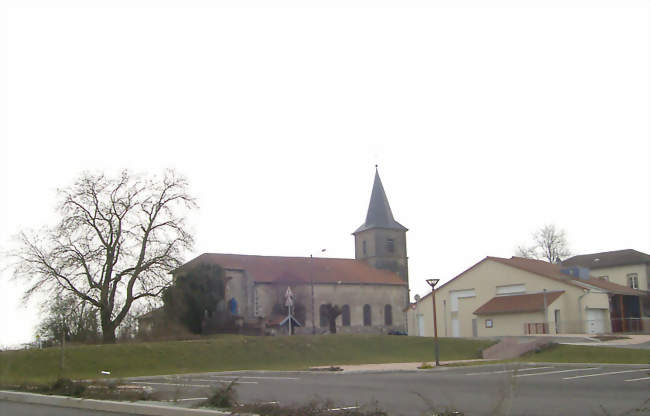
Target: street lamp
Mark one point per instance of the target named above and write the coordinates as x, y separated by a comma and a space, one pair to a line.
433, 283
311, 276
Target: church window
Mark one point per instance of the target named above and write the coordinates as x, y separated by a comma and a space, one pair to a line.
365, 249
345, 315
390, 245
388, 315
322, 311
367, 316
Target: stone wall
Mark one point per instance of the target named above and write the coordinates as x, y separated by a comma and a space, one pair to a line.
353, 295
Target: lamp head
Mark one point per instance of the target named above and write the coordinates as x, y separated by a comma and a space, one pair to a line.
433, 282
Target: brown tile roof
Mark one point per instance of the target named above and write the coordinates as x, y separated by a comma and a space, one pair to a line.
540, 267
269, 269
551, 271
533, 302
608, 259
613, 288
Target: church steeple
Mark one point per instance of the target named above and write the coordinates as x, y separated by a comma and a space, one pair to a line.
379, 213
381, 241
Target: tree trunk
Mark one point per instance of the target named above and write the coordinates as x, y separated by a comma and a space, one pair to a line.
108, 335
108, 331
333, 326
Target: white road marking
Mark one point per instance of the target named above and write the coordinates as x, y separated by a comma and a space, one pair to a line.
557, 372
171, 384
183, 400
226, 381
508, 371
343, 408
261, 378
607, 374
639, 379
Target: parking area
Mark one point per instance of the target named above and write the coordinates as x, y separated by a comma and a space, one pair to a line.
559, 373
543, 389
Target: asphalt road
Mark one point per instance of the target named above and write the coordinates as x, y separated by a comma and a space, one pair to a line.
22, 409
543, 389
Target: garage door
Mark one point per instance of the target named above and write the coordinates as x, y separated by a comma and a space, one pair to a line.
596, 321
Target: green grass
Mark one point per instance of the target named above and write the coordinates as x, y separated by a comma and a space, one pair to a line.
586, 354
226, 352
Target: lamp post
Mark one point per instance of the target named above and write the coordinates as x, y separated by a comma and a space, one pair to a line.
433, 283
311, 277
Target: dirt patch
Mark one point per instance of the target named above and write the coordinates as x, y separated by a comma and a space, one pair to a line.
609, 337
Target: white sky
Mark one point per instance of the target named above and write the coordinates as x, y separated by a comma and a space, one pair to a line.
486, 122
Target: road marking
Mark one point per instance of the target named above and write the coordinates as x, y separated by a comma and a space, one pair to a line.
639, 379
607, 374
226, 381
183, 400
508, 371
171, 384
261, 378
557, 372
343, 408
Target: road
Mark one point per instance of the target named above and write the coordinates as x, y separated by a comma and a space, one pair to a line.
22, 409
543, 389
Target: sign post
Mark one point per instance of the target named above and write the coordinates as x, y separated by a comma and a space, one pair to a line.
289, 304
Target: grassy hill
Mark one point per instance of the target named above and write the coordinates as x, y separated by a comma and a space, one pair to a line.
227, 352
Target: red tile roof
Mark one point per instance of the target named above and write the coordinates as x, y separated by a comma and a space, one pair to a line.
269, 269
533, 302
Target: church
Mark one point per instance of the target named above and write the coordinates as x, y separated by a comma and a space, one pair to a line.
371, 291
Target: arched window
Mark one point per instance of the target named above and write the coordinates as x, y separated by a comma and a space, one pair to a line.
367, 316
345, 315
322, 311
388, 315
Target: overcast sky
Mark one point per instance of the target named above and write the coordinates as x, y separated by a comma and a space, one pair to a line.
486, 122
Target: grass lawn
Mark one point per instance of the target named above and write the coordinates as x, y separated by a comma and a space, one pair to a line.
586, 354
227, 352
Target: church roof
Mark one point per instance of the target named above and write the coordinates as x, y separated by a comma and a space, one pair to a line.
379, 214
270, 269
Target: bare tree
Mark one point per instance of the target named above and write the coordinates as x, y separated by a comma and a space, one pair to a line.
550, 243
331, 312
115, 243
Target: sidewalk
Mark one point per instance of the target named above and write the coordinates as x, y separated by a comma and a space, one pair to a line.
629, 340
378, 368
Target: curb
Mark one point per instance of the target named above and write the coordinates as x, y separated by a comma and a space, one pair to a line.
104, 405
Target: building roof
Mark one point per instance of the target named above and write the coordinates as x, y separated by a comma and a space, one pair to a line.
270, 269
552, 271
379, 213
533, 302
608, 259
610, 287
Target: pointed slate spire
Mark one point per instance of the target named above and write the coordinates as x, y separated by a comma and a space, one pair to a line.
379, 213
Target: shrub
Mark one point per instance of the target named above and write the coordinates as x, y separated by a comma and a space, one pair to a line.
67, 387
223, 396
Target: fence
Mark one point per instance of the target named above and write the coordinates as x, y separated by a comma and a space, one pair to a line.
590, 326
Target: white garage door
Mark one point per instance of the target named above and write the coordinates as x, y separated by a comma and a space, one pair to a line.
596, 321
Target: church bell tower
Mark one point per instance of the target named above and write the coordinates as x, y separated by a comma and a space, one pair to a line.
381, 241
